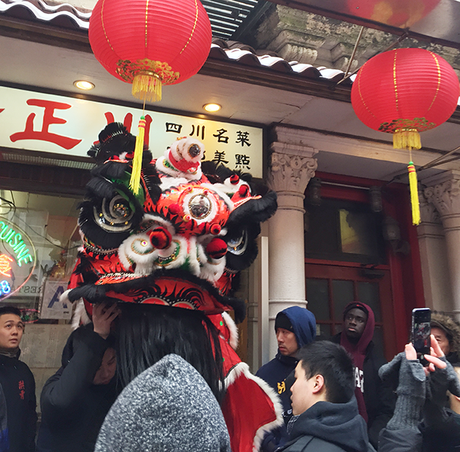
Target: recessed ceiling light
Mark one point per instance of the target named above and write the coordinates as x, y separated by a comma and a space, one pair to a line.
212, 107
83, 84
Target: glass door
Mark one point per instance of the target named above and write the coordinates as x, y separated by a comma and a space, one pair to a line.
331, 287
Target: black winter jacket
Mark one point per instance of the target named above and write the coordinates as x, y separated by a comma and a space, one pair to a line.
378, 397
73, 408
329, 427
18, 386
275, 373
445, 437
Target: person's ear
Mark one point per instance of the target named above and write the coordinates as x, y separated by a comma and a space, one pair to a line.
319, 384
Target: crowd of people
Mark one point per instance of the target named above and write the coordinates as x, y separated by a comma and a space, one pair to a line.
337, 393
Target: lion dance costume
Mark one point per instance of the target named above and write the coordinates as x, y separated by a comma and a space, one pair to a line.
169, 256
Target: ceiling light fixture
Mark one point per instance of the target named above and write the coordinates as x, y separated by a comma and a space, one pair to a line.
83, 84
212, 107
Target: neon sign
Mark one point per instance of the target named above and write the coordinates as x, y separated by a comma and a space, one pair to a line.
14, 239
5, 288
17, 258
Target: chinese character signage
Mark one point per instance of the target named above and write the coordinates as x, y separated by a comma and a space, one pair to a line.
17, 258
67, 125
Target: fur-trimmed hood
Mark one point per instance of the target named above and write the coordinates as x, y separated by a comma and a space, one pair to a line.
449, 326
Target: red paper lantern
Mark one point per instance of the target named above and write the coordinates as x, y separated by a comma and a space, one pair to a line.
403, 92
150, 42
397, 13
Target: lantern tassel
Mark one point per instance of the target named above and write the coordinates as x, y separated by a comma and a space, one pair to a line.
147, 86
406, 139
135, 180
413, 186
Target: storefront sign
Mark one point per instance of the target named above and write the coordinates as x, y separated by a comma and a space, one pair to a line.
52, 307
17, 258
66, 125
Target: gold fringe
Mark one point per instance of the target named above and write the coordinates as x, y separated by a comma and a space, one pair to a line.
147, 86
406, 139
135, 181
413, 186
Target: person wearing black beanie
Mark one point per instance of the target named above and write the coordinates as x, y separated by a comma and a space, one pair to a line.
294, 328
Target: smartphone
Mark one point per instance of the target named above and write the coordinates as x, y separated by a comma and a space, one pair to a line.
421, 330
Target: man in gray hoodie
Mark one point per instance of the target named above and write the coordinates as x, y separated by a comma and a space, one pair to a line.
326, 417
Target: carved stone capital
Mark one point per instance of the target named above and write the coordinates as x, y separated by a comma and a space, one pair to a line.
290, 172
428, 211
445, 196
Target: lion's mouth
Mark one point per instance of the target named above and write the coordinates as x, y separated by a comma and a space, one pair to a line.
177, 289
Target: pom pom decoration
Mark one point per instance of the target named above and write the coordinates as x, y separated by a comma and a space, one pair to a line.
160, 238
405, 92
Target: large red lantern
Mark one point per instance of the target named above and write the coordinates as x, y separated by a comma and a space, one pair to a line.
404, 92
402, 14
150, 43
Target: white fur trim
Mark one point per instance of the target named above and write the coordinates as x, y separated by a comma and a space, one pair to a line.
177, 241
162, 168
212, 269
180, 147
243, 368
64, 298
217, 189
158, 221
139, 250
233, 329
80, 316
174, 181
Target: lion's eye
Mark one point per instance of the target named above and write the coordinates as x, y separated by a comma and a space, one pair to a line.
199, 206
114, 215
238, 245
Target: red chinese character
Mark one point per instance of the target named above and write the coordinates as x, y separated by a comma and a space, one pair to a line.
21, 384
128, 122
21, 394
48, 119
5, 266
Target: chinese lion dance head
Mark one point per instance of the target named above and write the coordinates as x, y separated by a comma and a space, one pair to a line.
169, 255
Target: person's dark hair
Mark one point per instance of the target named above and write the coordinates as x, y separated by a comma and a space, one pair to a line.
334, 364
147, 333
10, 310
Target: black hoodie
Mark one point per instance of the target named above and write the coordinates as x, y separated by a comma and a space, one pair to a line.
73, 408
329, 427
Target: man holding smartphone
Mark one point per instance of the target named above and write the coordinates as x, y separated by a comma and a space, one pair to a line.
421, 420
375, 400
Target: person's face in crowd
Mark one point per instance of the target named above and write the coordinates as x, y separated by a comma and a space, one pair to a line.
355, 322
107, 370
302, 391
287, 343
454, 400
11, 331
441, 338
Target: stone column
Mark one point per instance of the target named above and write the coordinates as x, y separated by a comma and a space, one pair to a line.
433, 257
444, 194
292, 167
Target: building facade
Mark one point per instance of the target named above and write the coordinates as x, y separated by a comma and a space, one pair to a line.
342, 230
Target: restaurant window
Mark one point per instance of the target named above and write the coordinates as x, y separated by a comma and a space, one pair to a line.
39, 241
347, 231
